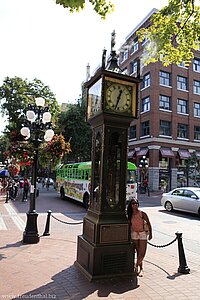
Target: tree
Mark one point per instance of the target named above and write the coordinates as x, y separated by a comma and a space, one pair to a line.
102, 7
192, 168
16, 94
174, 33
73, 126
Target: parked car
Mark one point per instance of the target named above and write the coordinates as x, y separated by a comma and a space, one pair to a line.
184, 198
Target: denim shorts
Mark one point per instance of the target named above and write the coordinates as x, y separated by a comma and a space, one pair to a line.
141, 235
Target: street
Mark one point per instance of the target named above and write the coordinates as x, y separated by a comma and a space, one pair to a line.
164, 224
48, 266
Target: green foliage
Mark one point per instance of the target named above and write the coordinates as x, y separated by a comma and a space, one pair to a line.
102, 7
16, 94
75, 129
174, 33
4, 142
52, 151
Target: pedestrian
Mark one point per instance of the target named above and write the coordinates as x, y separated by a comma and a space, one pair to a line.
26, 186
15, 188
137, 220
10, 190
43, 183
48, 184
1, 187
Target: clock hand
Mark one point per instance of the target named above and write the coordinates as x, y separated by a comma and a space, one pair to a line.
118, 98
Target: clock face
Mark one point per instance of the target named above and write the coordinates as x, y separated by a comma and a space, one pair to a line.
118, 97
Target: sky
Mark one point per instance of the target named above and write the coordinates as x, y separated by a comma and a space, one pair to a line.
41, 39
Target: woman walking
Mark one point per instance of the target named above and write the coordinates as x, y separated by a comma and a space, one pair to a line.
139, 234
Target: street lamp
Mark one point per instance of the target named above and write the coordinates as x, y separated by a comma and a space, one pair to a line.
143, 165
38, 126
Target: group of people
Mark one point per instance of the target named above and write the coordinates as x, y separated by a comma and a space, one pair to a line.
16, 188
46, 183
141, 231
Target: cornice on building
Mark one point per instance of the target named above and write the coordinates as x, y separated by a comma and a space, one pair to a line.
153, 11
176, 143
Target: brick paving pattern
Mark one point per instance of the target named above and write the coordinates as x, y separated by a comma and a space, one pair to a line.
46, 270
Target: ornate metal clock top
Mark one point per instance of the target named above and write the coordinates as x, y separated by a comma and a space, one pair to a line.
113, 36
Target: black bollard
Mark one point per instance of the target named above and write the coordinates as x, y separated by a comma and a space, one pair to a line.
183, 268
46, 231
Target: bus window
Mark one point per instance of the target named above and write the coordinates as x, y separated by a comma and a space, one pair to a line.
131, 176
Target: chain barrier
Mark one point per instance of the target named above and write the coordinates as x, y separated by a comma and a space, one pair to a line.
162, 246
183, 268
68, 223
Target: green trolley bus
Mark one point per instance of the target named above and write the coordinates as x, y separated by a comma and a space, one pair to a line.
73, 181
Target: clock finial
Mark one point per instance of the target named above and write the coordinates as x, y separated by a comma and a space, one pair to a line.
104, 58
113, 36
112, 64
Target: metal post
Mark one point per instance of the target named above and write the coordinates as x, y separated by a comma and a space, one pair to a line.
30, 235
183, 268
46, 231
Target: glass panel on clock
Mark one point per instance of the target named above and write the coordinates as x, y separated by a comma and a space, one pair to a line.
94, 98
97, 160
113, 170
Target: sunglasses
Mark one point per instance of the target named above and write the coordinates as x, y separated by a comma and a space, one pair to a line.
133, 203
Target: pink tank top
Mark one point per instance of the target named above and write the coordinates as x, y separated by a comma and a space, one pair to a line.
137, 223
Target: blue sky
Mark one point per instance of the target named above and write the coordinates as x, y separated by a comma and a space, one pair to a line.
43, 40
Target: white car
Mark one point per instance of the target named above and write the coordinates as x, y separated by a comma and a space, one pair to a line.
184, 198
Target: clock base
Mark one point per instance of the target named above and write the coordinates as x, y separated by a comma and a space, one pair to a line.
103, 261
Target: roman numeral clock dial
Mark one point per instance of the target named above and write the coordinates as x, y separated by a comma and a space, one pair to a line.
118, 97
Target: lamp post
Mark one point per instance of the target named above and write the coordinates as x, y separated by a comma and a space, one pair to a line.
143, 165
38, 126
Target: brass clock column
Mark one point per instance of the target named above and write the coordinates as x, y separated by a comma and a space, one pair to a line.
104, 249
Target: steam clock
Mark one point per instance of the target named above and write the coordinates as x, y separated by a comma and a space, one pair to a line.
104, 248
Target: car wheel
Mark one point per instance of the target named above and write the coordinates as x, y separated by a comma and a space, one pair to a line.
62, 194
168, 206
86, 200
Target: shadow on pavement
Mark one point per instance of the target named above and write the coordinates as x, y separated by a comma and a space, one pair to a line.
181, 214
71, 284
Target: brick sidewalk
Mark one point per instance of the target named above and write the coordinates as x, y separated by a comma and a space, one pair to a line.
46, 271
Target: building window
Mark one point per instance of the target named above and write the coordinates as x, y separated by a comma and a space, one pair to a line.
196, 87
145, 128
124, 55
197, 133
182, 131
145, 104
196, 65
134, 46
132, 133
125, 71
181, 83
182, 64
165, 128
165, 102
165, 78
133, 67
144, 41
196, 109
182, 106
146, 81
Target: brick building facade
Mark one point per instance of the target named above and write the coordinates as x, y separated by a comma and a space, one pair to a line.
167, 130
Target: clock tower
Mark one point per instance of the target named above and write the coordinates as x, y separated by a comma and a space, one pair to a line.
104, 248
